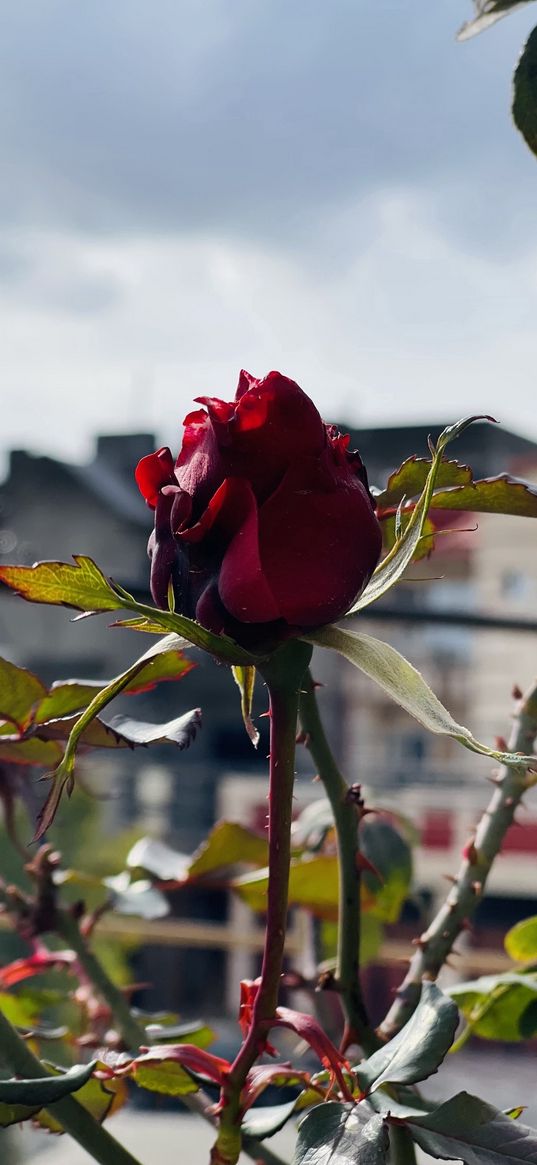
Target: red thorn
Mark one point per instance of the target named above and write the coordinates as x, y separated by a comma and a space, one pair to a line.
477, 887
501, 744
517, 692
469, 852
450, 878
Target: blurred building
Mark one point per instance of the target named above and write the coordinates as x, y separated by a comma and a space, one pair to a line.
51, 509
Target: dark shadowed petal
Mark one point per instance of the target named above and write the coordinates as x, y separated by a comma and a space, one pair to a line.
242, 585
318, 548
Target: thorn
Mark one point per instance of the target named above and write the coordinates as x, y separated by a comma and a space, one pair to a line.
265, 715
501, 744
450, 878
422, 942
315, 780
509, 801
301, 737
317, 684
517, 692
477, 888
496, 779
469, 852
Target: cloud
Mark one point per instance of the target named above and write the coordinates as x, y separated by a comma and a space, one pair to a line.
259, 120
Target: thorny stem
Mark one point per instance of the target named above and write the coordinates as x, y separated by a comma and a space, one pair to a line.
283, 675
347, 821
75, 1119
436, 942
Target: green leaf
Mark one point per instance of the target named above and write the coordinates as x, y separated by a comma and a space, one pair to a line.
100, 1098
228, 843
20, 689
46, 1089
314, 879
85, 587
244, 677
467, 1129
411, 478
264, 1121
525, 93
63, 777
388, 852
162, 1029
498, 1007
418, 1049
393, 566
168, 1078
14, 1114
487, 13
66, 697
82, 586
31, 751
137, 898
400, 680
159, 860
521, 940
490, 495
341, 1134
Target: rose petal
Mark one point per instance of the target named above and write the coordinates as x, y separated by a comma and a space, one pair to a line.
154, 471
318, 548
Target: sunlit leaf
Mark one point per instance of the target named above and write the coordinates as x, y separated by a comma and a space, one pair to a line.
66, 697
407, 687
245, 679
393, 566
63, 777
20, 689
159, 860
314, 880
31, 751
137, 898
418, 1049
228, 843
167, 1078
521, 940
85, 588
100, 1098
341, 1134
499, 1007
14, 1114
410, 479
487, 13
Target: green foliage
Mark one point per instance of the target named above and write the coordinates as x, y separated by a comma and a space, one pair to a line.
525, 92
406, 686
244, 677
499, 1007
418, 1049
46, 1089
521, 940
487, 12
85, 588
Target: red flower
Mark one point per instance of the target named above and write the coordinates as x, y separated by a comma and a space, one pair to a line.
265, 518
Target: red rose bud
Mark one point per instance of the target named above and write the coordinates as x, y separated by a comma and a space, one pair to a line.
265, 518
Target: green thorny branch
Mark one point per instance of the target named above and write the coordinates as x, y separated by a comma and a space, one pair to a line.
435, 944
347, 807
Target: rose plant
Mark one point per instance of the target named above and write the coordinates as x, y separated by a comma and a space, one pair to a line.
265, 532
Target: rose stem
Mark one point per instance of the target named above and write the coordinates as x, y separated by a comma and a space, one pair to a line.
283, 675
74, 1119
347, 820
436, 942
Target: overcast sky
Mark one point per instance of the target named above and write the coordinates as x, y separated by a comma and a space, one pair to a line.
329, 188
